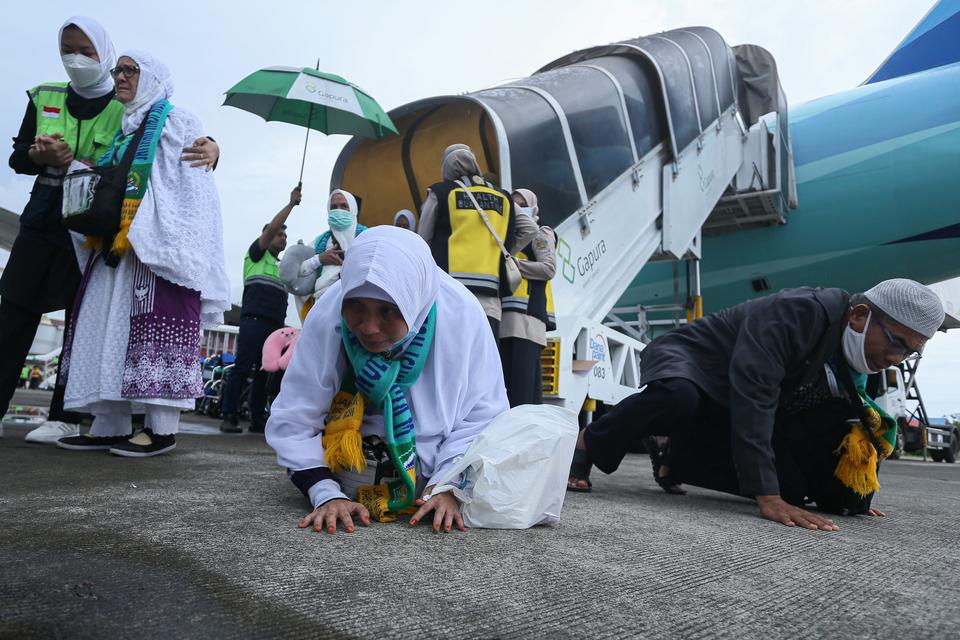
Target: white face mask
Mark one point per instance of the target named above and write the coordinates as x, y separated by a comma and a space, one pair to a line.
82, 71
853, 348
527, 211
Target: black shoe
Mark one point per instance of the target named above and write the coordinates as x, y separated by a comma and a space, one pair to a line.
89, 443
144, 444
258, 425
230, 424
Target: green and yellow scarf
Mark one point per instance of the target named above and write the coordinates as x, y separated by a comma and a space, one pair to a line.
137, 177
381, 380
870, 440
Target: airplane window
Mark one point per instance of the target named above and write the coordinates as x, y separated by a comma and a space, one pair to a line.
592, 107
539, 159
641, 90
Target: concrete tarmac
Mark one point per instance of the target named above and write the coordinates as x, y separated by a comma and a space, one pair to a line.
203, 543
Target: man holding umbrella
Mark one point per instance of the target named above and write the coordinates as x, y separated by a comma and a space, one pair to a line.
263, 311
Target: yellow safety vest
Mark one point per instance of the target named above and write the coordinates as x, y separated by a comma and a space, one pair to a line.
462, 245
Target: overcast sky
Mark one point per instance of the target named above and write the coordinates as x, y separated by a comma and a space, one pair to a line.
402, 51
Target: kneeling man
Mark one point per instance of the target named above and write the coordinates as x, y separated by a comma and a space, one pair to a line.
767, 400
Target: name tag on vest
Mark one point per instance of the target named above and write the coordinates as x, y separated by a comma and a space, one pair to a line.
488, 201
51, 112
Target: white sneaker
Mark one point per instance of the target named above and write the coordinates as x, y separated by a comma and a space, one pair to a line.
50, 432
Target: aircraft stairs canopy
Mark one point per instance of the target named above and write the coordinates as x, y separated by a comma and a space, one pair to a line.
629, 147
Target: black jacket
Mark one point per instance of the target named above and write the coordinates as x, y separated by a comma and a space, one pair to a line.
749, 357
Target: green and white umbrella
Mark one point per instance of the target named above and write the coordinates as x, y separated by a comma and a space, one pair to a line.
312, 99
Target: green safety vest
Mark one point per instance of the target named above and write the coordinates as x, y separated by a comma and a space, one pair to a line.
267, 271
88, 139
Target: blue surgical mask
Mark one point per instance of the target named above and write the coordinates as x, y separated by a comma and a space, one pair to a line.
340, 220
527, 211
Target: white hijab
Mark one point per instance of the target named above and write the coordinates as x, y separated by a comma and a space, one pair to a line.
155, 84
456, 396
408, 215
345, 237
105, 51
330, 273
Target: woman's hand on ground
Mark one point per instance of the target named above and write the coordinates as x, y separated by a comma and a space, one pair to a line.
776, 509
332, 257
203, 153
876, 512
446, 511
326, 516
50, 151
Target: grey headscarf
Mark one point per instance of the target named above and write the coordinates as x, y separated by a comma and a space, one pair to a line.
458, 161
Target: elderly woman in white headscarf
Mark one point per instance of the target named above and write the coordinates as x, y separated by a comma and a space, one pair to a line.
330, 247
145, 293
397, 351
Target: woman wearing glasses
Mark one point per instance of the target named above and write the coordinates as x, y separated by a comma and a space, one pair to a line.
145, 293
64, 122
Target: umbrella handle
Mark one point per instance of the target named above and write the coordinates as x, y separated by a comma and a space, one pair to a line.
306, 139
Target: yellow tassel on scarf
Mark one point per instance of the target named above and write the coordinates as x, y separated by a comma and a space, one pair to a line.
342, 443
121, 244
857, 468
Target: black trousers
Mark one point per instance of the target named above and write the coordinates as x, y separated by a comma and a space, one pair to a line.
18, 328
521, 371
254, 331
700, 435
495, 328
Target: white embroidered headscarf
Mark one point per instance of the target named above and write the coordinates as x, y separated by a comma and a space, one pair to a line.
105, 51
155, 84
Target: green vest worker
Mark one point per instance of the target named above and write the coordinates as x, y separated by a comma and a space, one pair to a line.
460, 241
263, 311
65, 122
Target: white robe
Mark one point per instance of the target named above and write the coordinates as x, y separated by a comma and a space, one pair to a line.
459, 392
177, 233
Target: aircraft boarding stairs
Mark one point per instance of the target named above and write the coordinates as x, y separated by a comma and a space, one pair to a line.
634, 149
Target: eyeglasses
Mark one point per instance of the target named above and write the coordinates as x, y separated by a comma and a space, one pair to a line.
127, 70
897, 345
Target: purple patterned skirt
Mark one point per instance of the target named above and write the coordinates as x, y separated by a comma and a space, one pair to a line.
163, 352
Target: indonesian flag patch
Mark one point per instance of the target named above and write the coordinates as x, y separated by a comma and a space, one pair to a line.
51, 112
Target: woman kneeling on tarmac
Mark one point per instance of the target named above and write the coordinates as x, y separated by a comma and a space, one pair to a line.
396, 360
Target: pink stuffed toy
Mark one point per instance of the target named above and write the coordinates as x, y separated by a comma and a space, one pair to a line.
278, 349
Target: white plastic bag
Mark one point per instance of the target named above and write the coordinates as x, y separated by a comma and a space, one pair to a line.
516, 470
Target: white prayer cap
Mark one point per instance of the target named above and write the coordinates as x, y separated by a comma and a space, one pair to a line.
910, 303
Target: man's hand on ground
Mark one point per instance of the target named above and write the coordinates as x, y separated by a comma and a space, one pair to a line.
776, 509
876, 512
326, 516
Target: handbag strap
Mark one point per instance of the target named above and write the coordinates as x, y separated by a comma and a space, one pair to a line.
128, 154
486, 221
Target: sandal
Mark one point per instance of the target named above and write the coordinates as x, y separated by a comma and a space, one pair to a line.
580, 470
660, 456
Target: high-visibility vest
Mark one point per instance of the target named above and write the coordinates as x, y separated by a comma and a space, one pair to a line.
533, 298
462, 245
265, 271
87, 139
